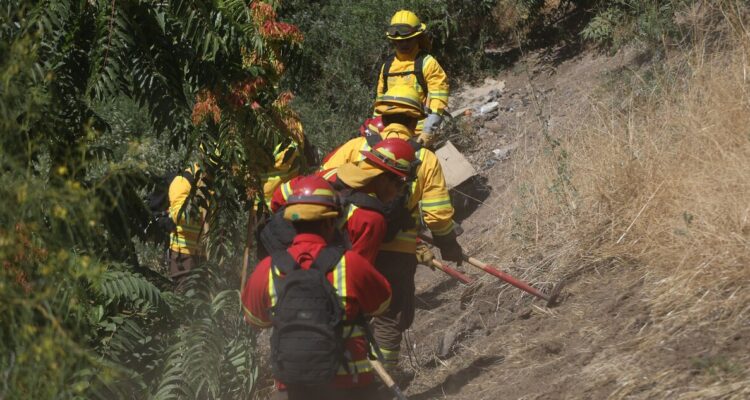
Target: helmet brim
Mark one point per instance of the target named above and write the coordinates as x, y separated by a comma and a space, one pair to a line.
309, 212
378, 162
358, 175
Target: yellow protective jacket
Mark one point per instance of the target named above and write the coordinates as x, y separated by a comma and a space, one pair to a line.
286, 167
186, 239
435, 77
428, 193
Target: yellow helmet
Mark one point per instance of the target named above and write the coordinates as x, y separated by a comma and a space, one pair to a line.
404, 25
401, 99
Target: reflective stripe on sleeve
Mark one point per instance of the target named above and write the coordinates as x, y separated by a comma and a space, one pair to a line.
286, 190
339, 281
271, 286
436, 203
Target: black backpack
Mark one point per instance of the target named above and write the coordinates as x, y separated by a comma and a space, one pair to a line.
161, 225
307, 347
417, 72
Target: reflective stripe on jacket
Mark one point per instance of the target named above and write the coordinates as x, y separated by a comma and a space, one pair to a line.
428, 192
361, 290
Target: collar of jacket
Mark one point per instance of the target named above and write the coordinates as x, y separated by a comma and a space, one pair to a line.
308, 239
397, 130
410, 56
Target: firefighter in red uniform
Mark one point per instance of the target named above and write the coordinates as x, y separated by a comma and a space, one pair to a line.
362, 291
367, 187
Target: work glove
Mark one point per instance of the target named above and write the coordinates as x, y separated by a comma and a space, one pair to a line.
424, 255
425, 139
432, 122
450, 250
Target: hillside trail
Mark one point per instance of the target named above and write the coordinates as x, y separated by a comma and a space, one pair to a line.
491, 340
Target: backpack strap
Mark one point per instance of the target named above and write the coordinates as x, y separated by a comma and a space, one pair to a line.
415, 145
285, 263
363, 200
328, 258
386, 72
373, 140
418, 66
418, 73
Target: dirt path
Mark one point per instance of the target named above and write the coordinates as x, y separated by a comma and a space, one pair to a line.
491, 341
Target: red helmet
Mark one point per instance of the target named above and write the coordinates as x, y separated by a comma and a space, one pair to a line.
313, 190
372, 126
312, 199
395, 155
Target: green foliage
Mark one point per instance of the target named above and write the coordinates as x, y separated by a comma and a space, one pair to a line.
97, 99
615, 23
335, 73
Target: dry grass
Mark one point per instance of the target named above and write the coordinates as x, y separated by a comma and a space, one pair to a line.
658, 183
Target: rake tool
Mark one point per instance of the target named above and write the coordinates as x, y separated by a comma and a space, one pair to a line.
452, 272
550, 298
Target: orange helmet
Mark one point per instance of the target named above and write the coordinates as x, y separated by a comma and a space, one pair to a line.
394, 155
312, 199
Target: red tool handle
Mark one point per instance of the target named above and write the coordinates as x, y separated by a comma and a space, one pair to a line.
507, 278
452, 272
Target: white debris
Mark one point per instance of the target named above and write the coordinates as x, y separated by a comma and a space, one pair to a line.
488, 107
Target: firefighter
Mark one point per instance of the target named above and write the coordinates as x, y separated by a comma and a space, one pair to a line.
413, 66
361, 291
367, 188
427, 198
185, 250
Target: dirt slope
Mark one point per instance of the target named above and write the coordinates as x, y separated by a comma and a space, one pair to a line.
491, 341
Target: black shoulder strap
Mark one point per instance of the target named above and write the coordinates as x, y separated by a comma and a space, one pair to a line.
415, 145
283, 261
385, 72
328, 258
372, 140
418, 73
418, 66
363, 200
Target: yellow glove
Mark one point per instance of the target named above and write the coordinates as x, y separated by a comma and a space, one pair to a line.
424, 255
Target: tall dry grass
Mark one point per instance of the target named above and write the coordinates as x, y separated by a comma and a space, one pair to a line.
655, 184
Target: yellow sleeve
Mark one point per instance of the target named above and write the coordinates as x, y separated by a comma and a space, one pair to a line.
436, 207
379, 91
347, 153
437, 84
179, 190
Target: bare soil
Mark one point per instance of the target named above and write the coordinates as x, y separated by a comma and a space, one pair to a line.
490, 340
